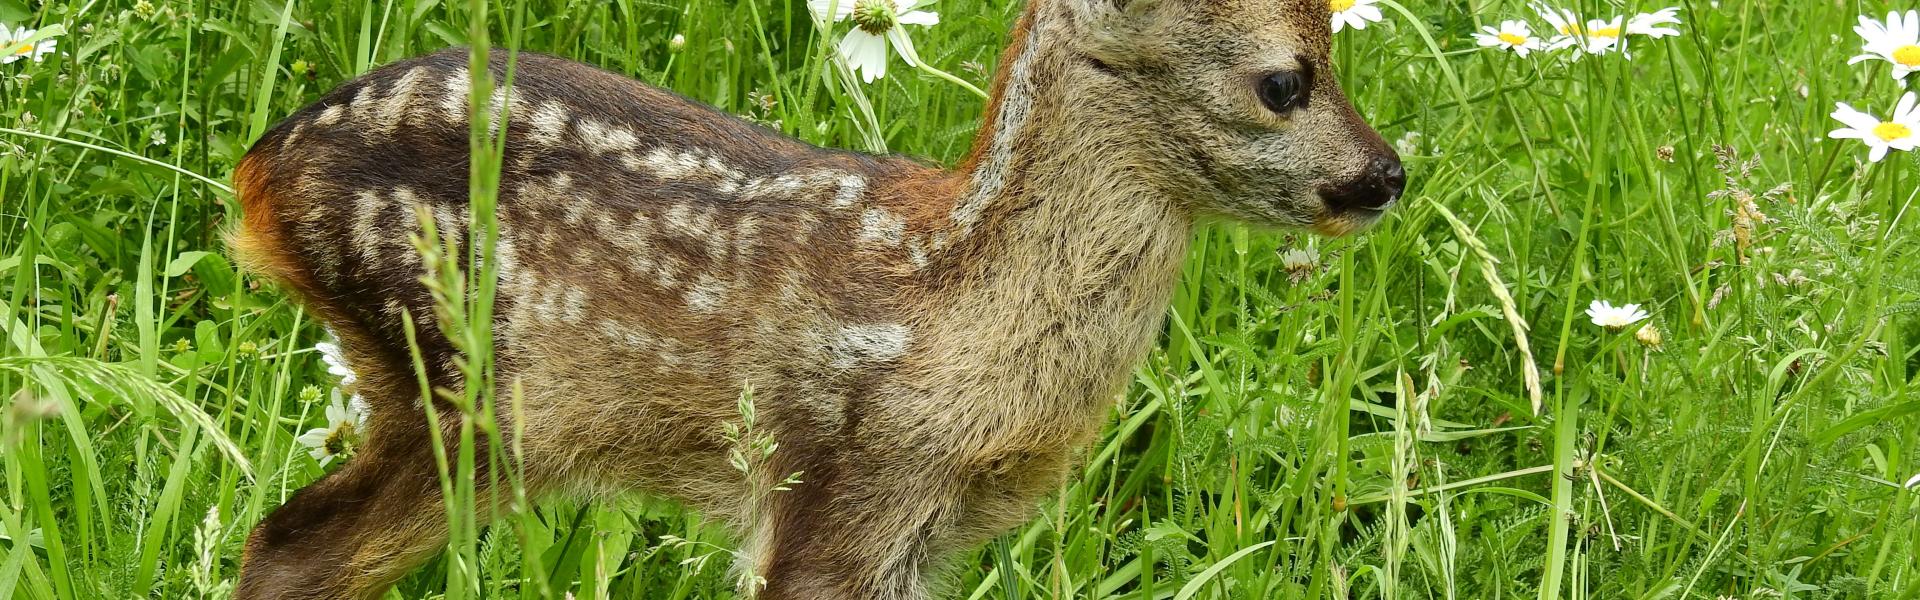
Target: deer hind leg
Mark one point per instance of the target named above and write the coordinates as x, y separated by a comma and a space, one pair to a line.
354, 532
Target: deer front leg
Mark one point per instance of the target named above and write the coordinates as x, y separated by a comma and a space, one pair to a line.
850, 536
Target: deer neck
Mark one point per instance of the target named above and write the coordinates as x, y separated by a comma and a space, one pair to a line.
1061, 250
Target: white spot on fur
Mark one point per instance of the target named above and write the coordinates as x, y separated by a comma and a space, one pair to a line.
707, 295
504, 98
560, 302
506, 255
631, 338
857, 344
635, 242
574, 305
666, 271
331, 115
745, 236
878, 225
691, 222
663, 163
549, 123
602, 138
455, 103
917, 254
362, 100
399, 100
292, 138
451, 222
367, 207
778, 187
405, 200
584, 256
576, 212
852, 187
693, 165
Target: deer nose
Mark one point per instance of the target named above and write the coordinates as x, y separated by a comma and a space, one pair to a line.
1376, 189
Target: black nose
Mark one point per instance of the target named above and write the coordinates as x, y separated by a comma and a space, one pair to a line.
1375, 189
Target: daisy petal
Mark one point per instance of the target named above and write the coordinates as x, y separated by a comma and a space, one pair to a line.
920, 17
841, 8
904, 45
1854, 118
865, 53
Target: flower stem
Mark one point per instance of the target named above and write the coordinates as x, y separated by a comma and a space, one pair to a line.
950, 77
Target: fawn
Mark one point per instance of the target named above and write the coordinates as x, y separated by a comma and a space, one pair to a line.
931, 349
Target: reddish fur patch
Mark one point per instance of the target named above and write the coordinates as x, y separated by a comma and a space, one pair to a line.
261, 243
997, 94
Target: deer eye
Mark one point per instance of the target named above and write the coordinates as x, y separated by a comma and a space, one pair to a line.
1286, 91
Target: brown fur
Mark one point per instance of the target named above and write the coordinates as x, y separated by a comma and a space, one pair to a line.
931, 349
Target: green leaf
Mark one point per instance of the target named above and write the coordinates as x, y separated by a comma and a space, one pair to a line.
181, 264
1199, 581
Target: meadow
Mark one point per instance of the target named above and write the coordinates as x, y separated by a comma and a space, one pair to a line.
1424, 410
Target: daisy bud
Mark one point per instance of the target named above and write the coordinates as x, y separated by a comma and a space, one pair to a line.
1664, 153
1649, 336
678, 43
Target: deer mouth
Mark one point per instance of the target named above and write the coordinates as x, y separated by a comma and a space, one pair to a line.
1347, 221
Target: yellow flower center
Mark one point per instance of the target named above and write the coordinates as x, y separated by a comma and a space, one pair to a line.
1908, 55
1605, 32
1341, 5
22, 49
339, 441
1888, 132
1569, 29
1513, 39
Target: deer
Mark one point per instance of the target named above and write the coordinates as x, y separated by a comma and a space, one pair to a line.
933, 349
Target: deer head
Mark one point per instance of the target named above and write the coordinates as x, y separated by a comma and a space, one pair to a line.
1237, 104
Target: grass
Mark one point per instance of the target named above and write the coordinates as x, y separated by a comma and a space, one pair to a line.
1361, 428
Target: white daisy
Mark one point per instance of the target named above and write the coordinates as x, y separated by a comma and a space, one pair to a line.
1299, 263
1511, 35
1566, 26
1649, 24
336, 363
1607, 315
876, 27
1895, 133
16, 44
345, 420
1896, 41
1601, 37
1409, 143
1354, 13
